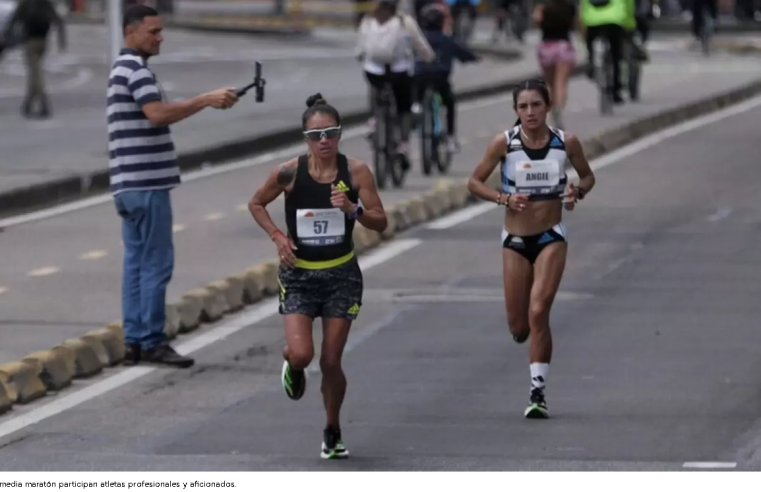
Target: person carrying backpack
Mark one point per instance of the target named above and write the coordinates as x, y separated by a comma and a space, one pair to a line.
35, 18
437, 74
387, 44
614, 20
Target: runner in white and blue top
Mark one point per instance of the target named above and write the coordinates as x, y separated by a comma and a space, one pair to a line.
534, 188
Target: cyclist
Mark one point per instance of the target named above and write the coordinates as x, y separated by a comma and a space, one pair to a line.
698, 9
319, 275
556, 53
532, 158
437, 74
388, 42
614, 20
463, 7
442, 5
501, 14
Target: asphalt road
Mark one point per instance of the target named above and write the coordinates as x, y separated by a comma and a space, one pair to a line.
61, 276
75, 139
656, 360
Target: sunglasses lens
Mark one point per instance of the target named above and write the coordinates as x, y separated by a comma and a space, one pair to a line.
317, 135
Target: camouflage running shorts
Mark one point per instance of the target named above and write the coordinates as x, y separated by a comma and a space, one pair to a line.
328, 293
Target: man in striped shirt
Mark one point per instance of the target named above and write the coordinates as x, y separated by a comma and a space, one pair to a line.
143, 170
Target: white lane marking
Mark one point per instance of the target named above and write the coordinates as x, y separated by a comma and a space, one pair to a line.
612, 158
709, 464
250, 316
3, 290
615, 265
44, 271
178, 228
94, 255
461, 216
285, 153
213, 216
721, 214
243, 207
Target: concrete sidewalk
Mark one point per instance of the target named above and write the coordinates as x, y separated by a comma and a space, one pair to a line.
73, 161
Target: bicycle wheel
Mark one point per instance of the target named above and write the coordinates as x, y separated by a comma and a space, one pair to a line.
705, 32
604, 75
442, 155
517, 22
380, 140
394, 165
427, 145
634, 73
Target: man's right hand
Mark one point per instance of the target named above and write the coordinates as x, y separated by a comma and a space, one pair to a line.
222, 98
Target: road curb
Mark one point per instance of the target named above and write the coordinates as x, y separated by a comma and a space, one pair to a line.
72, 188
22, 381
737, 47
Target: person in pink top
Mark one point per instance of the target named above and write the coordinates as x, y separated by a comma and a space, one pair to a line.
556, 54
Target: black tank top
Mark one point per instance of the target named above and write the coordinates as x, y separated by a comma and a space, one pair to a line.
557, 21
320, 231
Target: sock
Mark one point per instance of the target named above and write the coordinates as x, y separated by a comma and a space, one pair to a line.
539, 371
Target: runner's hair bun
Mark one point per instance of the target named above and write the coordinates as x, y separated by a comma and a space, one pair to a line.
315, 99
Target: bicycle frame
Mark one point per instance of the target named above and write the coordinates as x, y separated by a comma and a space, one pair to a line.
386, 139
603, 69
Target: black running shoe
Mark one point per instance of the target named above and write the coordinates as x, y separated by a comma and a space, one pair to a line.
537, 408
332, 446
294, 382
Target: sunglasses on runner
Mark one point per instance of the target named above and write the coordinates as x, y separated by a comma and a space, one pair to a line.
319, 133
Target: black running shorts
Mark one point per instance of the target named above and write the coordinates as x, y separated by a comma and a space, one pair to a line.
327, 293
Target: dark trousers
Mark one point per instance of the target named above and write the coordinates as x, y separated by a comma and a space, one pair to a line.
616, 36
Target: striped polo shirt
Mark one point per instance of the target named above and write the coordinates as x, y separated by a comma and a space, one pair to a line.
141, 154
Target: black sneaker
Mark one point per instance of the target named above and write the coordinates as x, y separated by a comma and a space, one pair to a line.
332, 446
132, 355
294, 382
164, 354
537, 408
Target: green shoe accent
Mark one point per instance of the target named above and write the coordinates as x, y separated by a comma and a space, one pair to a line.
338, 453
294, 382
537, 411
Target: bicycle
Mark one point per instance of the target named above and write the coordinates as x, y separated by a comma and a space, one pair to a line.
386, 139
463, 24
518, 18
633, 67
603, 72
706, 31
432, 136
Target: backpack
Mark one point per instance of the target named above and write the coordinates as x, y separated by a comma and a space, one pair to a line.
37, 16
385, 45
599, 3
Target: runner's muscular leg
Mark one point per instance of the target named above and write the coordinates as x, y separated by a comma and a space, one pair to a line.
548, 272
299, 349
335, 333
517, 275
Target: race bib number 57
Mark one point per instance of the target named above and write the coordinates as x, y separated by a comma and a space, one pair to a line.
320, 226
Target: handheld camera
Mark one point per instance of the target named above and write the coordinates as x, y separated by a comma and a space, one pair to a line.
258, 83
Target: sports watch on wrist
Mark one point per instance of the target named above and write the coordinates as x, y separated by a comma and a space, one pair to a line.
357, 213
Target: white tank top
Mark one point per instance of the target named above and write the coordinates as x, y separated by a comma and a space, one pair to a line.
539, 173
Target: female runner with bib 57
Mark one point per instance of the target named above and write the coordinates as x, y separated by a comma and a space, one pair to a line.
319, 275
533, 158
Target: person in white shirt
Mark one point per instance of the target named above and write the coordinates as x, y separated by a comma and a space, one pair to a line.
387, 44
